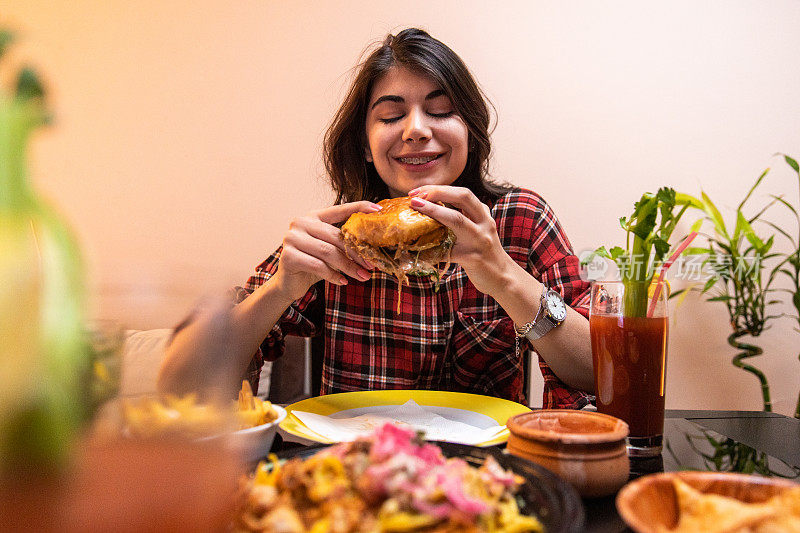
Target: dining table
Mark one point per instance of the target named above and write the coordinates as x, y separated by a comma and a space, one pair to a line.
754, 442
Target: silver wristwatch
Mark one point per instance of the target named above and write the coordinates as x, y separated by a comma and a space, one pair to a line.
552, 312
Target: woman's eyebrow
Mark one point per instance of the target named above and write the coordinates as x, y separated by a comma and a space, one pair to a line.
399, 99
388, 98
435, 94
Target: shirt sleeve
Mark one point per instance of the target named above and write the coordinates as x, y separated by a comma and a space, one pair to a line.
552, 261
301, 318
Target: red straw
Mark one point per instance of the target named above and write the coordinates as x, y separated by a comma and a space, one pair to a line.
663, 270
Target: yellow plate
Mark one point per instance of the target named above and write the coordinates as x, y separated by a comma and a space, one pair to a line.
469, 408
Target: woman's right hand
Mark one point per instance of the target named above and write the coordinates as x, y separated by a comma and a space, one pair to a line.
313, 250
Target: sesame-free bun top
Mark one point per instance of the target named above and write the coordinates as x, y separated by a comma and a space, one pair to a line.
397, 223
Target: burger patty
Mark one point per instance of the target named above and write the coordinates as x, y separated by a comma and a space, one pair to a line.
404, 260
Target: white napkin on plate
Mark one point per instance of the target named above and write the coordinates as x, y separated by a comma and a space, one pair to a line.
436, 427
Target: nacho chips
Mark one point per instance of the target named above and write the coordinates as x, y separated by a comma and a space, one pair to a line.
713, 513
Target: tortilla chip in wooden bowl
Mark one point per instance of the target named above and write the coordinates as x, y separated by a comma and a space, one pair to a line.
710, 502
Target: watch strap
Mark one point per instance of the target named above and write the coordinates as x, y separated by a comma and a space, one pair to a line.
527, 329
540, 327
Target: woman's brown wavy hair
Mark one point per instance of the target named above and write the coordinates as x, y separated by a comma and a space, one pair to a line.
351, 176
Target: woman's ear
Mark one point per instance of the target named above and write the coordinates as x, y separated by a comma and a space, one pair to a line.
367, 154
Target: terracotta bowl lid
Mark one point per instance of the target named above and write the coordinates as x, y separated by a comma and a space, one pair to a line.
567, 426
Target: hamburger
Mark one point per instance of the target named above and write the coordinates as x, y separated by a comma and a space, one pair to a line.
399, 240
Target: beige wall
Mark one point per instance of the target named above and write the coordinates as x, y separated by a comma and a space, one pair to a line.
188, 133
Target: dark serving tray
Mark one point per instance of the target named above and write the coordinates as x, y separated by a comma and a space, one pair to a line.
543, 494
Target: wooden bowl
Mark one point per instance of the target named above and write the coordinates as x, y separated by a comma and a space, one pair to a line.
649, 503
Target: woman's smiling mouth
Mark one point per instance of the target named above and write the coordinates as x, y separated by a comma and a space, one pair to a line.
418, 162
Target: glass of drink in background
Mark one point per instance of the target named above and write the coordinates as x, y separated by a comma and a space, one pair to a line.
630, 357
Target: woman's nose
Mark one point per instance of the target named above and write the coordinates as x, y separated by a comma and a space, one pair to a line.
416, 127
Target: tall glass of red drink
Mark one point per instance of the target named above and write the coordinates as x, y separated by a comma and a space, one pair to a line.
629, 350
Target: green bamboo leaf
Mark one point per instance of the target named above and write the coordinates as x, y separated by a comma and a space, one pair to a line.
688, 199
728, 250
784, 202
763, 210
723, 298
782, 232
737, 230
695, 250
712, 211
748, 231
767, 246
756, 184
710, 283
792, 163
749, 249
674, 294
697, 224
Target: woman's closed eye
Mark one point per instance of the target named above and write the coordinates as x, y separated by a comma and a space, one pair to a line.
389, 120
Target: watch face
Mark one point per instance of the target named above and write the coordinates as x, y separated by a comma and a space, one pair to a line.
556, 306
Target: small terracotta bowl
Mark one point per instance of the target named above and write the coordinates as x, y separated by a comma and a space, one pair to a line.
586, 449
649, 504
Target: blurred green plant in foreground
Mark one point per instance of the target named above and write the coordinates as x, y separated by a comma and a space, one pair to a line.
44, 360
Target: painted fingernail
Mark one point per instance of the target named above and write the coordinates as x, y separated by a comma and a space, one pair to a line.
416, 202
363, 274
413, 192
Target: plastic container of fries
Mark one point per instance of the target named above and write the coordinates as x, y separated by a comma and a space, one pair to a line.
247, 425
255, 442
258, 422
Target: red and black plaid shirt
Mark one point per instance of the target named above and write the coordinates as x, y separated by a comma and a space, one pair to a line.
453, 339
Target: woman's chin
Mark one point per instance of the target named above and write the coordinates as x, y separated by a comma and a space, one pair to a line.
402, 189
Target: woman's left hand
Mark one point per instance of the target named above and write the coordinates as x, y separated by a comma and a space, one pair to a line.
477, 249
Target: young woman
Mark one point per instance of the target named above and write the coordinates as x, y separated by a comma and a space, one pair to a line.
415, 123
